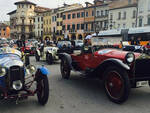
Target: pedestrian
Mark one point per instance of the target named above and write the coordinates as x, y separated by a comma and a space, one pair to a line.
138, 41
19, 43
132, 40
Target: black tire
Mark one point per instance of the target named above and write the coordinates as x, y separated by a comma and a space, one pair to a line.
65, 68
116, 84
43, 90
37, 57
49, 58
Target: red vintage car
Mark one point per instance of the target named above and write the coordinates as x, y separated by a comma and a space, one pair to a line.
119, 70
29, 48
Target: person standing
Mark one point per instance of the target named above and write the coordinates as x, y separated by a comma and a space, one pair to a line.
132, 41
138, 41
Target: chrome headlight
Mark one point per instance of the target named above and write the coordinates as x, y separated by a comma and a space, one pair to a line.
2, 71
17, 85
31, 69
130, 57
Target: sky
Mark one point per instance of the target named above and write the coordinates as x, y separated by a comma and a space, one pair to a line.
7, 6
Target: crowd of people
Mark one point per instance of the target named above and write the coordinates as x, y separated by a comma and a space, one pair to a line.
135, 41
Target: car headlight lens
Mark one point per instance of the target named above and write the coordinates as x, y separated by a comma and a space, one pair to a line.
31, 69
130, 57
17, 85
2, 71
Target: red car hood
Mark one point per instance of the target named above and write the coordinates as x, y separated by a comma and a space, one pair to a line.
114, 53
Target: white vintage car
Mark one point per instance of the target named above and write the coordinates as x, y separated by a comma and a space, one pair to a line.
48, 53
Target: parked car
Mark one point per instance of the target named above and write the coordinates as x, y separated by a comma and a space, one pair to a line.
17, 77
133, 48
64, 46
48, 53
29, 48
77, 43
119, 70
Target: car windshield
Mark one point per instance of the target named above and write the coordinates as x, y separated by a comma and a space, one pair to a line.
79, 41
64, 43
2, 41
99, 41
8, 50
9, 55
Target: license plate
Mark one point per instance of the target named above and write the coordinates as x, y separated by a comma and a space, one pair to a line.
142, 83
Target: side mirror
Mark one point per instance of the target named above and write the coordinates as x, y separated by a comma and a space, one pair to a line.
27, 60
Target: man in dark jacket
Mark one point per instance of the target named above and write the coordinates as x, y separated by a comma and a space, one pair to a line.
132, 41
19, 43
138, 41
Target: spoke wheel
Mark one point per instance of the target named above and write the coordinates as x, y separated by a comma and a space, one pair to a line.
65, 69
43, 90
116, 84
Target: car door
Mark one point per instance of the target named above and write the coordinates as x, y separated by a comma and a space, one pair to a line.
89, 59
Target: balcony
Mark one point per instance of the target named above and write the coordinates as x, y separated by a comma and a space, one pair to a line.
89, 31
101, 16
47, 33
31, 17
72, 31
22, 16
25, 24
25, 32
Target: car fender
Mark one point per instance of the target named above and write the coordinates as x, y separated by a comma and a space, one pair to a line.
44, 70
117, 62
67, 57
112, 61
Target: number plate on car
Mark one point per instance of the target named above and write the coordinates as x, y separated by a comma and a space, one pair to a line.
142, 83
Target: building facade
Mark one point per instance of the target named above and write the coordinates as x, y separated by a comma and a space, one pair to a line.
38, 22
143, 13
73, 23
54, 23
59, 22
21, 20
4, 31
89, 19
47, 25
123, 14
101, 15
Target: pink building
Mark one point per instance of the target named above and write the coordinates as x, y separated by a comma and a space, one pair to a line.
73, 23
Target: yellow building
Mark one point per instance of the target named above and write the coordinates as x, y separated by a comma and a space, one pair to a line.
47, 25
59, 21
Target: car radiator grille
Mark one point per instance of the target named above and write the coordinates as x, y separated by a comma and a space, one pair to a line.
16, 73
142, 68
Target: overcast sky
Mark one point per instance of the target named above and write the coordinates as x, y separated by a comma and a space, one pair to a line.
8, 5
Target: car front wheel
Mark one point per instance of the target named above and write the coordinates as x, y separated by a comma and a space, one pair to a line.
116, 84
43, 90
65, 69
